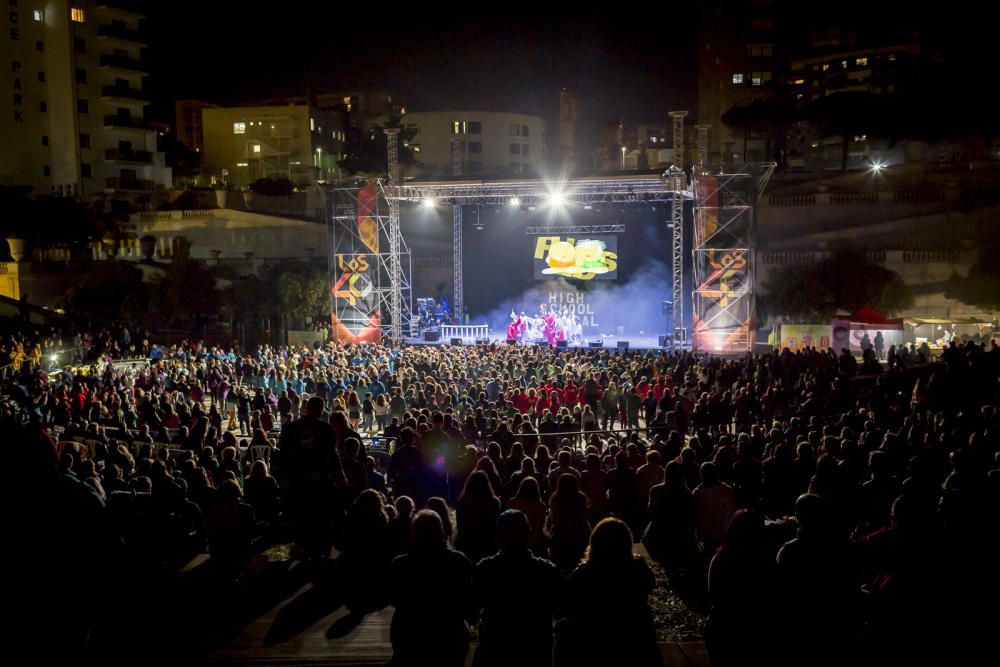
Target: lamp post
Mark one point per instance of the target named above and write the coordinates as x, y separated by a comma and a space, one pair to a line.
623, 158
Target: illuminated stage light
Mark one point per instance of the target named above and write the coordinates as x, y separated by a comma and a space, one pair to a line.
556, 198
515, 201
428, 202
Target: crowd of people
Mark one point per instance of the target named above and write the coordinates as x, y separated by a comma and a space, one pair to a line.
825, 511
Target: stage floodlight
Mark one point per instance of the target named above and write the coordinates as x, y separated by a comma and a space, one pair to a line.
556, 198
515, 201
428, 202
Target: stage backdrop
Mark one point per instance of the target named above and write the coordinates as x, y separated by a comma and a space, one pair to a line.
615, 283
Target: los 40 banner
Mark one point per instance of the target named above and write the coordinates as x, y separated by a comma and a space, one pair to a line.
355, 315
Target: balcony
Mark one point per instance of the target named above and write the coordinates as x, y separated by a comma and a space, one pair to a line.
130, 184
124, 10
121, 63
140, 157
126, 123
117, 93
121, 34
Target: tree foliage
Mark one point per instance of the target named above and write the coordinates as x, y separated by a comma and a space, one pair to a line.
763, 119
185, 292
303, 292
110, 291
981, 287
843, 282
273, 187
365, 149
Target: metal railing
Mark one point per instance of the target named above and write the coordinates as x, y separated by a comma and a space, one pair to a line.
121, 121
144, 157
467, 332
123, 62
134, 94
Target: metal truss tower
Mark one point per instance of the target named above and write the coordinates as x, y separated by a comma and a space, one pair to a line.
396, 281
723, 256
678, 185
458, 298
366, 255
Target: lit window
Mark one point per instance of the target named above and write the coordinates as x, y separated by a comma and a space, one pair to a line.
892, 56
826, 66
416, 148
798, 82
239, 128
78, 15
737, 78
459, 127
242, 164
312, 124
37, 15
256, 148
862, 62
760, 50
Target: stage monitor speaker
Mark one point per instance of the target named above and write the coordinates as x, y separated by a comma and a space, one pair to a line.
456, 341
595, 343
562, 343
623, 345
432, 336
664, 340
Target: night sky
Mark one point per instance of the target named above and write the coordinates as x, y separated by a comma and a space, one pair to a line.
515, 62
629, 61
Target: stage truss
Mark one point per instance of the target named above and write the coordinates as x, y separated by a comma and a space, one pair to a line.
582, 192
723, 255
722, 243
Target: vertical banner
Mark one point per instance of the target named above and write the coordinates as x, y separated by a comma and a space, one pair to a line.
355, 317
722, 260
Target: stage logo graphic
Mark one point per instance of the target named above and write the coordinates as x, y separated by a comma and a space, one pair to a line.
580, 259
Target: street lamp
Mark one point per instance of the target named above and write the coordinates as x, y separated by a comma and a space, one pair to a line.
623, 158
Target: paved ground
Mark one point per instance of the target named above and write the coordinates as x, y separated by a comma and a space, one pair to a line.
308, 626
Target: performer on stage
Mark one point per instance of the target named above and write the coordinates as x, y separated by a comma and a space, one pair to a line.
550, 325
514, 328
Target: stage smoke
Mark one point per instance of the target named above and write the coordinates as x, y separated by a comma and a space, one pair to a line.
630, 310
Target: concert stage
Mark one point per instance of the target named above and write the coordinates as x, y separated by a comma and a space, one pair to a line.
609, 342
